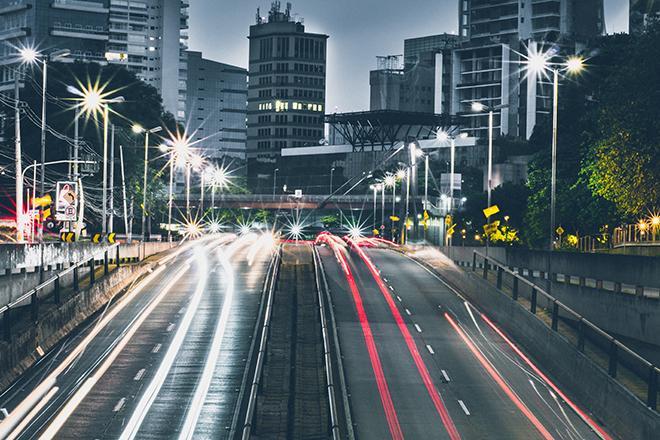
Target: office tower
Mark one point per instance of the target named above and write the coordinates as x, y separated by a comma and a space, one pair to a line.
216, 106
641, 11
286, 92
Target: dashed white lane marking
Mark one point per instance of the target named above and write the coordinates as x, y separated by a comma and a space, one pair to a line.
445, 375
183, 309
139, 374
40, 351
430, 349
119, 405
4, 412
465, 410
156, 348
418, 328
171, 327
408, 312
398, 298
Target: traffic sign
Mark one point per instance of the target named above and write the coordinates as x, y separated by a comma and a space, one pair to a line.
112, 238
491, 228
66, 202
560, 231
491, 211
97, 238
42, 201
68, 237
394, 218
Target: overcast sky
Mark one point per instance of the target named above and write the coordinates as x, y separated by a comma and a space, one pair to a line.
359, 31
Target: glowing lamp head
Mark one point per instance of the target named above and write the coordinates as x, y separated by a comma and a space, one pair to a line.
196, 161
537, 62
137, 128
401, 174
92, 101
575, 64
163, 148
642, 225
655, 220
390, 180
29, 55
478, 107
443, 136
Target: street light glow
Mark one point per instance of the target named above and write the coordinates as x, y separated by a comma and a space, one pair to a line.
537, 62
390, 180
401, 174
575, 64
137, 129
29, 55
478, 107
442, 136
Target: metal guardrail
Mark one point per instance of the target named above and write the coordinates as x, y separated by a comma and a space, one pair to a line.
33, 294
615, 353
261, 356
327, 353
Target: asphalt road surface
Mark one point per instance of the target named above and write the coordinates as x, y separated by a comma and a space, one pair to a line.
168, 364
436, 368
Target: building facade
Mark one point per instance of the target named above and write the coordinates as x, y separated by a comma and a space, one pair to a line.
216, 107
487, 68
286, 92
149, 37
641, 11
418, 81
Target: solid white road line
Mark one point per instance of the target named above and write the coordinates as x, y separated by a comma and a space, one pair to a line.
430, 349
465, 410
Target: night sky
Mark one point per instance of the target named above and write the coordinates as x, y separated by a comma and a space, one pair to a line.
359, 31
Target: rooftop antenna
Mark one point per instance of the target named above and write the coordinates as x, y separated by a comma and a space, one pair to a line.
258, 15
288, 11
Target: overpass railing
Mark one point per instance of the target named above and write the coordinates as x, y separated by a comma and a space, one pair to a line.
636, 374
53, 286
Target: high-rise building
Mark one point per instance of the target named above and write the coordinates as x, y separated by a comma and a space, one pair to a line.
216, 106
419, 83
487, 68
147, 36
641, 11
286, 92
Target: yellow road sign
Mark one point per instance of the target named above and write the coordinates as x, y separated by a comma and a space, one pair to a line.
68, 237
491, 211
394, 218
42, 201
97, 238
451, 229
560, 231
491, 227
111, 238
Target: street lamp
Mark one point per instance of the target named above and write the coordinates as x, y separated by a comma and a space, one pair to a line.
29, 55
444, 136
275, 180
93, 100
332, 170
479, 107
137, 129
538, 62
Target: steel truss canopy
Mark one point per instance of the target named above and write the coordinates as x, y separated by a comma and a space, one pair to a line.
380, 130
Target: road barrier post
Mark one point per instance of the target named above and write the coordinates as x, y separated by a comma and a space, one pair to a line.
532, 307
555, 315
57, 289
499, 277
652, 393
118, 259
92, 269
614, 354
514, 291
75, 279
106, 263
474, 261
34, 305
6, 323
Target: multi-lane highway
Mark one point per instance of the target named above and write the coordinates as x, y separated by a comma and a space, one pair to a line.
423, 363
164, 361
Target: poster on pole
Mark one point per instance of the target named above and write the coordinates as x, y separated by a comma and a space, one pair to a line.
66, 203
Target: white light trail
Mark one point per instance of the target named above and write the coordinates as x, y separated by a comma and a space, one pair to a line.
75, 400
147, 399
204, 383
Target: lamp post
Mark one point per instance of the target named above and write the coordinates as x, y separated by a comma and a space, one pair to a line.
95, 101
164, 149
137, 129
332, 170
19, 162
275, 180
539, 63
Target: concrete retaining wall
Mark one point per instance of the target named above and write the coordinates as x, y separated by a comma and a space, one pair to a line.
616, 292
20, 353
625, 415
14, 285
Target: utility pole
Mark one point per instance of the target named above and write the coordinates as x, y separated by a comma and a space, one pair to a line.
104, 221
18, 159
42, 173
123, 190
112, 181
